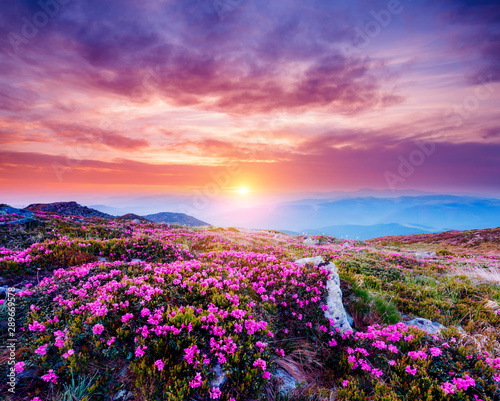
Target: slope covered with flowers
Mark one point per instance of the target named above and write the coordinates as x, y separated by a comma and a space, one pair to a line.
112, 310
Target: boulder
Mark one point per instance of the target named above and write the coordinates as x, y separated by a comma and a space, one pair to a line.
336, 311
426, 325
310, 241
287, 383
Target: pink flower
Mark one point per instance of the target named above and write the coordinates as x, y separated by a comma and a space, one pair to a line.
266, 375
42, 350
196, 382
392, 362
19, 367
260, 363
215, 393
448, 388
159, 365
140, 351
111, 341
435, 351
345, 383
50, 377
410, 370
98, 329
126, 317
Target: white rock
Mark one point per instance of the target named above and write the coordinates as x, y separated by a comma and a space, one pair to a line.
310, 241
336, 310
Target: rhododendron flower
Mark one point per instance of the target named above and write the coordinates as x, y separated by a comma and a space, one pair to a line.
215, 393
159, 365
126, 317
42, 350
140, 351
260, 363
98, 329
448, 388
70, 352
410, 370
19, 367
392, 362
196, 382
436, 351
345, 383
50, 377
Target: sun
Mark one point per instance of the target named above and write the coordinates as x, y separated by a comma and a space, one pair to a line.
243, 190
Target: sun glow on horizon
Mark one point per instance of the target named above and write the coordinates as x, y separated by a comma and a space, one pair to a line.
243, 190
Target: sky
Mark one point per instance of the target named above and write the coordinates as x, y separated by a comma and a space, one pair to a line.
247, 98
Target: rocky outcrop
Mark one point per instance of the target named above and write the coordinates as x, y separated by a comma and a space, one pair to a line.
68, 209
20, 217
336, 311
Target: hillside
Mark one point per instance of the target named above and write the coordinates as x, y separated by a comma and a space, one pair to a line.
67, 209
176, 218
485, 241
101, 309
134, 218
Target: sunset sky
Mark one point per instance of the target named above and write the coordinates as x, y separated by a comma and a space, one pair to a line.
232, 96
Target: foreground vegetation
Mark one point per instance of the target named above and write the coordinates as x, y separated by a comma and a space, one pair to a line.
113, 310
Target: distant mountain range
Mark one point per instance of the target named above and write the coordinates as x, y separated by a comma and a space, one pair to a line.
357, 217
368, 217
366, 232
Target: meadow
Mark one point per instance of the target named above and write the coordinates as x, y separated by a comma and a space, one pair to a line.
117, 310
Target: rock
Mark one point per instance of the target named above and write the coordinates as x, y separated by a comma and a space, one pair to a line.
425, 255
315, 261
220, 378
3, 290
288, 383
310, 241
13, 210
123, 395
426, 325
29, 221
336, 310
